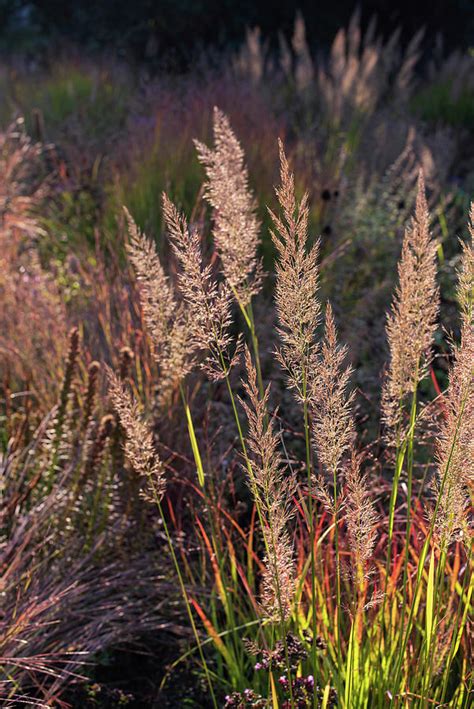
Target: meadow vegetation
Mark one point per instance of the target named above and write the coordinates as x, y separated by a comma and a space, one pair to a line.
236, 378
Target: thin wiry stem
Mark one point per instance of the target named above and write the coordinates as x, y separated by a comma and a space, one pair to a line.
410, 328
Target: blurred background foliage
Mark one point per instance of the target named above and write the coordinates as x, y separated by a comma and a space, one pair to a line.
177, 30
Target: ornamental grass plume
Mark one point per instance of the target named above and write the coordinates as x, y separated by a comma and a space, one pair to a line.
333, 431
332, 419
273, 492
455, 445
360, 516
208, 304
158, 302
296, 287
166, 319
139, 448
236, 227
412, 320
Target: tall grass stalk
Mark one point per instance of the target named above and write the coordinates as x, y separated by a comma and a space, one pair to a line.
312, 521
211, 507
422, 559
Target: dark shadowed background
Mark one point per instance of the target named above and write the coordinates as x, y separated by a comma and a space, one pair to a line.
175, 30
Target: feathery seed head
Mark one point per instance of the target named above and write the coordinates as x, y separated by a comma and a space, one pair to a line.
167, 321
91, 393
139, 448
360, 515
157, 297
125, 362
236, 227
296, 282
71, 364
412, 320
331, 403
465, 291
96, 449
208, 304
455, 445
273, 492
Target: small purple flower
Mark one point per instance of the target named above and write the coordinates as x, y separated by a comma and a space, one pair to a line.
283, 681
258, 666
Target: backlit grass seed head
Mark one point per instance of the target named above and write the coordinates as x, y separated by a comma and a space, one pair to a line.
333, 429
273, 492
331, 403
208, 304
236, 227
296, 287
167, 320
455, 449
465, 290
412, 320
139, 448
360, 516
157, 296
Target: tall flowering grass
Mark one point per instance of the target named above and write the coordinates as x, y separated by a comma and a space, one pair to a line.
337, 579
223, 481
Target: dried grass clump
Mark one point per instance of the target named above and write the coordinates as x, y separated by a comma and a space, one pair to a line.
22, 186
361, 72
32, 311
32, 323
55, 623
63, 527
362, 68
